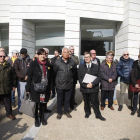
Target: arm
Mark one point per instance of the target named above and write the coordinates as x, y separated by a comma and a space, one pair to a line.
29, 79
13, 77
133, 78
98, 79
119, 68
16, 67
84, 85
114, 76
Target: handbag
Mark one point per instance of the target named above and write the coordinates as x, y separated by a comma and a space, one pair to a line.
28, 106
40, 87
133, 89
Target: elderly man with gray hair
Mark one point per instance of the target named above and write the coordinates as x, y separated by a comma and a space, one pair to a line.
64, 71
124, 68
108, 81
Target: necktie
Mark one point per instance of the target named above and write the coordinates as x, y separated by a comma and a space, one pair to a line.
88, 71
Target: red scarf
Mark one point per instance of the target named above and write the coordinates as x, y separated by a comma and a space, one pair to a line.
44, 66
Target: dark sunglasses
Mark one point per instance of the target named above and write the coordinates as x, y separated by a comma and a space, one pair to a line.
2, 56
125, 54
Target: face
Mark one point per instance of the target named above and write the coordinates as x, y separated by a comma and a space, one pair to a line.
42, 57
23, 55
2, 57
56, 53
72, 50
65, 53
125, 55
93, 53
15, 54
46, 53
109, 59
87, 58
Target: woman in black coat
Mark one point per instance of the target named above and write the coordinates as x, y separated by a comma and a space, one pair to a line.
135, 75
39, 72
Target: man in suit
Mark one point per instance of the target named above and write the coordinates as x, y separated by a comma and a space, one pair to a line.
90, 90
94, 59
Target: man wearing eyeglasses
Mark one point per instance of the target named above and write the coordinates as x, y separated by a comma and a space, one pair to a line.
94, 59
124, 68
7, 83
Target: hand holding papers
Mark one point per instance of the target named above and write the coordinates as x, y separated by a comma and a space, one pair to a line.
89, 78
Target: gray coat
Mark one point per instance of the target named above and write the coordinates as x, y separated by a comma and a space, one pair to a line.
106, 74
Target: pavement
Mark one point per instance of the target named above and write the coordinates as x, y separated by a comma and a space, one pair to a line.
118, 125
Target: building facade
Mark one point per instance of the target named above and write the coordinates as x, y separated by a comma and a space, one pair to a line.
85, 24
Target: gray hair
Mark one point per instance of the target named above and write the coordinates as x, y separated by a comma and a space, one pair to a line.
70, 47
109, 55
46, 49
65, 48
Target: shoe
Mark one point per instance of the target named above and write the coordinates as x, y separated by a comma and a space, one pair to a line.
59, 116
36, 123
112, 108
44, 122
115, 102
139, 113
12, 117
75, 103
86, 116
74, 109
47, 110
133, 112
102, 108
68, 115
13, 104
130, 107
120, 108
101, 118
19, 113
52, 96
106, 102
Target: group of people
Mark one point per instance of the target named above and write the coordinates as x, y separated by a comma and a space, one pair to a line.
60, 74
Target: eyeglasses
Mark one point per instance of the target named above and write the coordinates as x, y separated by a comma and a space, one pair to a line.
71, 49
46, 53
93, 53
125, 54
17, 53
2, 56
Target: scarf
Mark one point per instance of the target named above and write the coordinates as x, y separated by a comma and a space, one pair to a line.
44, 66
13, 59
109, 64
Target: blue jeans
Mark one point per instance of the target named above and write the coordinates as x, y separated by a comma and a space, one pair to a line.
13, 96
21, 91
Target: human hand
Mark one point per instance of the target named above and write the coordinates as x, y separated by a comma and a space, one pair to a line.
27, 92
14, 88
26, 77
137, 86
110, 80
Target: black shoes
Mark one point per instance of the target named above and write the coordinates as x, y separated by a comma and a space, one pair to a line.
47, 110
133, 112
130, 107
36, 123
86, 116
75, 103
19, 113
120, 108
139, 113
59, 116
43, 122
68, 115
13, 104
101, 118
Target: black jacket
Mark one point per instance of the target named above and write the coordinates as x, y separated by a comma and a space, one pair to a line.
54, 59
35, 75
21, 67
135, 73
124, 68
64, 73
95, 71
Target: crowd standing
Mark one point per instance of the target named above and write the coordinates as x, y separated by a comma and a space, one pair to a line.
42, 78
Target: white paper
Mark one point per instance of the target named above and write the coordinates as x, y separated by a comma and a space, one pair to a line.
89, 78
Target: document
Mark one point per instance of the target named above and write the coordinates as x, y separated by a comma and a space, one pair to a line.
89, 78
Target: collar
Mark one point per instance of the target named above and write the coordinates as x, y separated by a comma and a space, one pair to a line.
88, 65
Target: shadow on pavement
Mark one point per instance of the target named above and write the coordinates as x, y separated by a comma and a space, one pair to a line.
10, 128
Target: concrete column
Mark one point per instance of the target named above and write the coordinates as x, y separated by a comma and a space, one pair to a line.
22, 35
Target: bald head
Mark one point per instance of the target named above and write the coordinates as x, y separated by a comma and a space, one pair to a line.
126, 55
